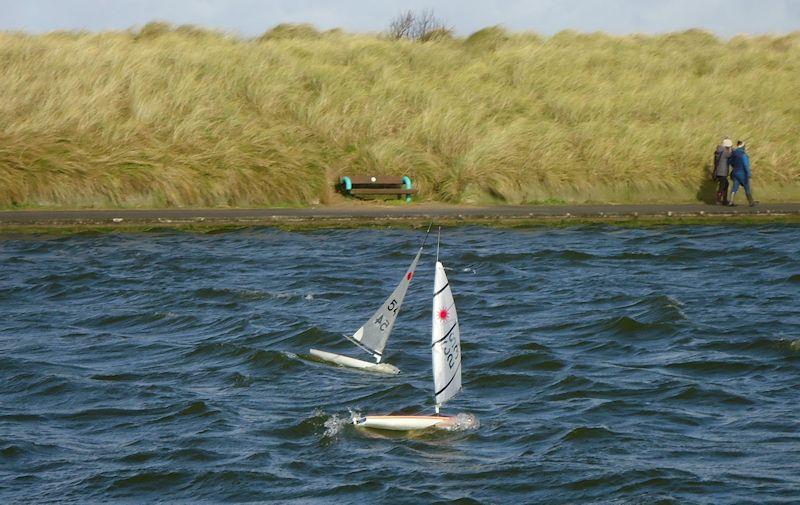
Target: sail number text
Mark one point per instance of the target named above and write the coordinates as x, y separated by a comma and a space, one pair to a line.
451, 350
384, 320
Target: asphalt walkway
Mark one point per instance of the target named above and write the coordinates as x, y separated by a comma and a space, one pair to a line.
368, 212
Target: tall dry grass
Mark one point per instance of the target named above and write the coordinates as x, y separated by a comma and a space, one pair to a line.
188, 117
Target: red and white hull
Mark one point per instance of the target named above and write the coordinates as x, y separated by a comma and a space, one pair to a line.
404, 423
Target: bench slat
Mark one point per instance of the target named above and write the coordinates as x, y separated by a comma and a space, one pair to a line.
382, 179
382, 191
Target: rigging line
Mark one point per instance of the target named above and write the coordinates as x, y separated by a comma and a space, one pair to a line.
438, 237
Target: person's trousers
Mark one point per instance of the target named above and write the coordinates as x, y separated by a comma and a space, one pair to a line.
722, 189
744, 181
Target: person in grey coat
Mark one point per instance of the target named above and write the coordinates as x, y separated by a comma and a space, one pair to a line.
721, 169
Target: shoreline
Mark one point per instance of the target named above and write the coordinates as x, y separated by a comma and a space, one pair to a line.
354, 216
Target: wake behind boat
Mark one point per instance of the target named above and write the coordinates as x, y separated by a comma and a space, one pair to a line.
446, 363
374, 334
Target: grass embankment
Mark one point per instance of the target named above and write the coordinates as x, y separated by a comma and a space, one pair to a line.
186, 117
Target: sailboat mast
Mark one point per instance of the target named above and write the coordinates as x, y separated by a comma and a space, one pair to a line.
428, 232
438, 239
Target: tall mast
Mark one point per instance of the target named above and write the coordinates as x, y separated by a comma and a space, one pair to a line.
438, 238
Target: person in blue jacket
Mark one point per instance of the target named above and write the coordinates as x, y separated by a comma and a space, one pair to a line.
740, 173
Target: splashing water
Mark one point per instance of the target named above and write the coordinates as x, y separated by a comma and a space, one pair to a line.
354, 415
333, 426
464, 422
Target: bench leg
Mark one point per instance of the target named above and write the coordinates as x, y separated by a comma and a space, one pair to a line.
407, 185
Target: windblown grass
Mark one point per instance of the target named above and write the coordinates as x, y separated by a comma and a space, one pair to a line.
187, 117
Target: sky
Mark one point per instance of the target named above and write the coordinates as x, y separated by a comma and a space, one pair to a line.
726, 18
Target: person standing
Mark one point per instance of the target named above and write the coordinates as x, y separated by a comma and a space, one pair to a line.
721, 169
740, 173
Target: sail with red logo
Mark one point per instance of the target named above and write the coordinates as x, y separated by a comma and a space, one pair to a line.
445, 341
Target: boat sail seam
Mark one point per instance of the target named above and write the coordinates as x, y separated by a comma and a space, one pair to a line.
440, 291
362, 346
446, 335
448, 382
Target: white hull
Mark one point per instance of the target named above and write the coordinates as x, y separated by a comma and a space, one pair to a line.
347, 361
404, 423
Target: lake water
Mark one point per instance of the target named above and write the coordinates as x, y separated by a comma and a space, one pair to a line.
605, 365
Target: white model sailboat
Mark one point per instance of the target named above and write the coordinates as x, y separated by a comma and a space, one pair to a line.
446, 356
374, 334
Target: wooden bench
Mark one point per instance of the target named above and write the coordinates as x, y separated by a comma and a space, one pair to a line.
377, 185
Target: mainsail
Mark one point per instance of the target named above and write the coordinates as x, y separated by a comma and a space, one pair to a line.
375, 332
446, 341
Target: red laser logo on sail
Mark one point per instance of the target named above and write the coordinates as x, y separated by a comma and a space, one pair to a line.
443, 314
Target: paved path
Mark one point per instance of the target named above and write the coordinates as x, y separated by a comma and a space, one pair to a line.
366, 212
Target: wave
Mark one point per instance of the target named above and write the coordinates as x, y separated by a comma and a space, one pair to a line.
565, 254
231, 294
635, 256
117, 377
274, 360
657, 308
628, 485
36, 386
529, 362
502, 380
583, 433
20, 449
511, 257
386, 394
237, 354
626, 326
706, 367
141, 321
238, 380
777, 346
146, 481
705, 395
110, 413
310, 426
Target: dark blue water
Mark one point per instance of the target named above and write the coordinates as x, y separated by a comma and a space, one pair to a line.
605, 366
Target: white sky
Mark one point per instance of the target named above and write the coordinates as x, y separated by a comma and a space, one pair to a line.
252, 17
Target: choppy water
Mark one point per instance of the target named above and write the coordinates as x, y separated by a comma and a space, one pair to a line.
605, 366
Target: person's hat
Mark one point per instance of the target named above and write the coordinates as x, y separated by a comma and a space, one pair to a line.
727, 143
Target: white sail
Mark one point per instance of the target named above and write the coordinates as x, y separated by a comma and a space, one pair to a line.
375, 332
445, 341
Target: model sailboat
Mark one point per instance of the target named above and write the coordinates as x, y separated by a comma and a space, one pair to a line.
446, 357
374, 334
